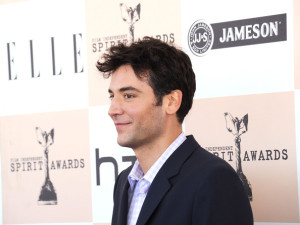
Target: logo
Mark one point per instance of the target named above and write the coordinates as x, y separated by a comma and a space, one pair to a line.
48, 194
113, 161
15, 52
130, 16
238, 127
234, 153
200, 38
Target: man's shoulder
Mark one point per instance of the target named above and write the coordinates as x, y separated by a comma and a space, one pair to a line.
200, 152
192, 159
202, 160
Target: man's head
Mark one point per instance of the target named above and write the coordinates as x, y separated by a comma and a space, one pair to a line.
165, 67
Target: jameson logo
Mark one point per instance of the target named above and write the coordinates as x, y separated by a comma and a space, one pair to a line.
130, 16
203, 36
48, 194
238, 127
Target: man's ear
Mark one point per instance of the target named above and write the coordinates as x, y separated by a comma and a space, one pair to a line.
173, 101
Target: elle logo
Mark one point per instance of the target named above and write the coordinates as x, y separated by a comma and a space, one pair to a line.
20, 60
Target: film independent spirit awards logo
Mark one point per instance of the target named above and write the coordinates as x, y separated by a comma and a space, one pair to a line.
203, 36
237, 127
45, 139
130, 16
47, 194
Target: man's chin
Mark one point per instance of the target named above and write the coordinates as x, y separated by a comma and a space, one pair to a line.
124, 143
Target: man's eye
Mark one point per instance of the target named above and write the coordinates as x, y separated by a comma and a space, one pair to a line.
128, 96
111, 97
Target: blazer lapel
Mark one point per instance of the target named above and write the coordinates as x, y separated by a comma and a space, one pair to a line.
161, 185
124, 204
121, 206
154, 196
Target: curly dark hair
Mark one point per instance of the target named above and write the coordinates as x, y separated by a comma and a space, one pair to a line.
166, 68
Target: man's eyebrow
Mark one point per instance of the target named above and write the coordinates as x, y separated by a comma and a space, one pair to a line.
123, 89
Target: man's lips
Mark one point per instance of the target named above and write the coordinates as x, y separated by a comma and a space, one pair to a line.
121, 124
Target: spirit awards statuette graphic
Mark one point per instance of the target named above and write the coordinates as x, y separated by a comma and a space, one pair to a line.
238, 127
47, 194
130, 16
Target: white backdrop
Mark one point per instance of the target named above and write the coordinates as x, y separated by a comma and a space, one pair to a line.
40, 84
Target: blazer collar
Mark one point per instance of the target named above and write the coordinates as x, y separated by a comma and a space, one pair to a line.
161, 183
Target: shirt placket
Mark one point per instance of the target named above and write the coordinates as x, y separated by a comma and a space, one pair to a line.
139, 194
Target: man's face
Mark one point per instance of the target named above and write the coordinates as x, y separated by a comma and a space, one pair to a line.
133, 109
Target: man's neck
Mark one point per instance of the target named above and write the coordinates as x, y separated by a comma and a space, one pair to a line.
148, 154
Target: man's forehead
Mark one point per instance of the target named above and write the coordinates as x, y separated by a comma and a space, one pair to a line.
141, 74
128, 84
124, 76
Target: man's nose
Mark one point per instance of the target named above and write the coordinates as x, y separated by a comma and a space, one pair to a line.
115, 107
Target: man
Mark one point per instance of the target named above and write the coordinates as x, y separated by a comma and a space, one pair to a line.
174, 181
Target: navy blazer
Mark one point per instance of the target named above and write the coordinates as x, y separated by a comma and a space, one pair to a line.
193, 187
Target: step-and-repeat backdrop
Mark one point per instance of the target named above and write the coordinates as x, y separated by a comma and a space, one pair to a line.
59, 156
